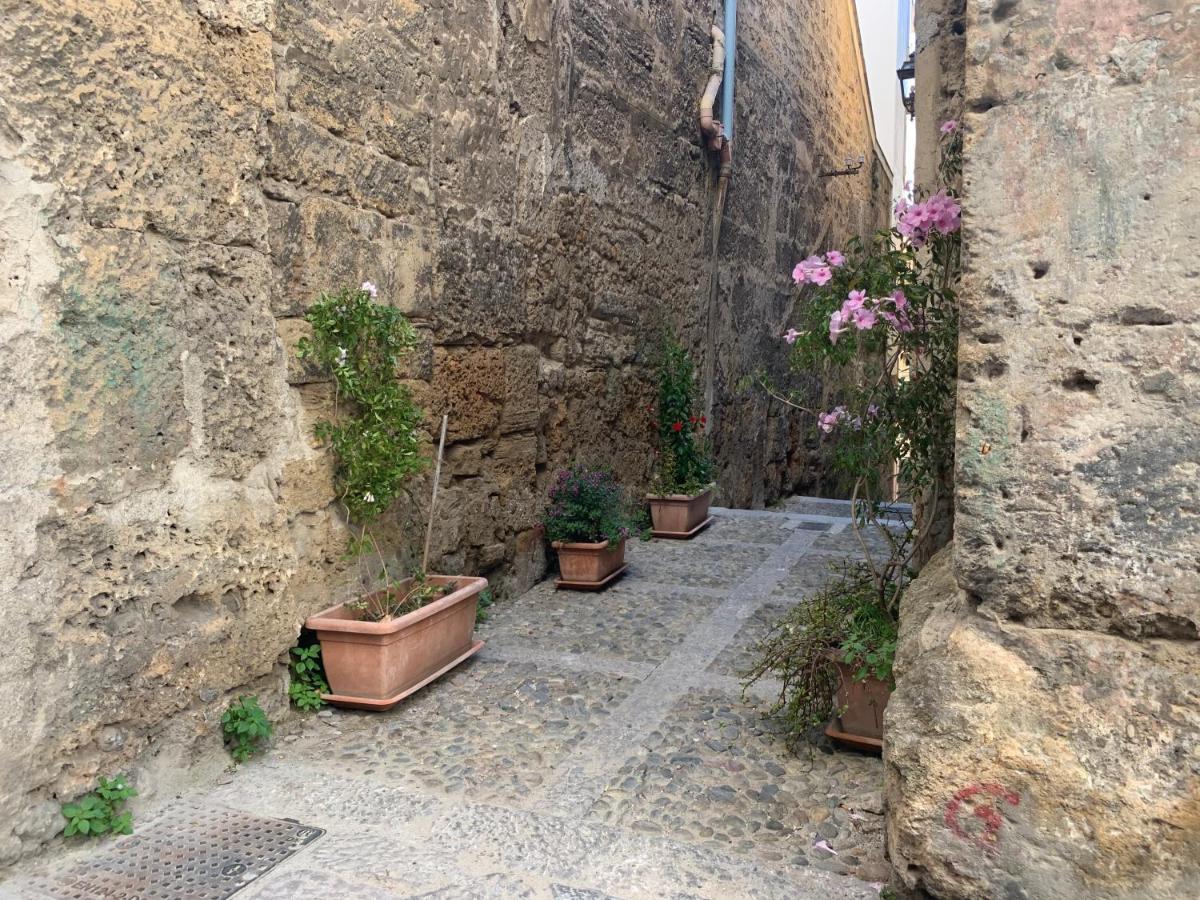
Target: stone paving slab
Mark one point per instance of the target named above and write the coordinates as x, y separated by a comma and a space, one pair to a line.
491, 729
629, 620
738, 656
712, 773
598, 747
703, 561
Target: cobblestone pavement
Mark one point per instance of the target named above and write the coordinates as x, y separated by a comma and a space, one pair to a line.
599, 746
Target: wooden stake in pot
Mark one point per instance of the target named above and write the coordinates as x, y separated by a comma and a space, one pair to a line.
437, 477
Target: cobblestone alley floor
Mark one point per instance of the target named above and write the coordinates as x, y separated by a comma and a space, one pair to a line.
599, 746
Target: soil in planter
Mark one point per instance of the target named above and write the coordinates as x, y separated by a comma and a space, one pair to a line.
394, 602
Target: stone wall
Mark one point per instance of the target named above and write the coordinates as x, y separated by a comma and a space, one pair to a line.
1044, 738
525, 179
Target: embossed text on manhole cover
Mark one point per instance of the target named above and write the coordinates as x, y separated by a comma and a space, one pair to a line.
184, 853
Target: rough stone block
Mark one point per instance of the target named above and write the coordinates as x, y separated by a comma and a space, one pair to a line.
1039, 762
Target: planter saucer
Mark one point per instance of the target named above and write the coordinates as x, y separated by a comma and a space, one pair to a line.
387, 703
562, 583
683, 535
857, 741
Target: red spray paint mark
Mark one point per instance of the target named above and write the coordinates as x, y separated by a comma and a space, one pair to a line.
982, 800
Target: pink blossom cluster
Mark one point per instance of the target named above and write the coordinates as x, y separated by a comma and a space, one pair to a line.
828, 421
937, 213
817, 269
865, 312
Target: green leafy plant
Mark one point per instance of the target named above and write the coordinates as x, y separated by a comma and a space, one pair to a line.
844, 621
376, 428
684, 460
101, 811
245, 726
587, 505
484, 607
400, 598
308, 678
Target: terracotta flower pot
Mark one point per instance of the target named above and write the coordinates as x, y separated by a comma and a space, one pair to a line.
589, 565
861, 705
375, 665
679, 515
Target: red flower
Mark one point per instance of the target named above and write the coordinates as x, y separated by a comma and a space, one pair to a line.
692, 420
678, 426
703, 420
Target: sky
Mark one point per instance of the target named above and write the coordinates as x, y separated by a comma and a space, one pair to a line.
879, 26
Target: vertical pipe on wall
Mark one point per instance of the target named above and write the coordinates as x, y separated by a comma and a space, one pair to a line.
730, 59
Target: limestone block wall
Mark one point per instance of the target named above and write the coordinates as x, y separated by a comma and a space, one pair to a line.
522, 177
1044, 740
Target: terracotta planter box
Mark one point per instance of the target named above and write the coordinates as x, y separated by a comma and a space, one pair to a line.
678, 515
589, 566
375, 665
861, 704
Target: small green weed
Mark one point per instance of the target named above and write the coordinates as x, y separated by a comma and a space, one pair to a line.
100, 812
245, 726
484, 608
308, 678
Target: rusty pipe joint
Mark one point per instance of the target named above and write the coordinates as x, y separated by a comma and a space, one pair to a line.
711, 129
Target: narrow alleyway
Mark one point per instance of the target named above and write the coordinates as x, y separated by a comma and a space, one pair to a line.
599, 746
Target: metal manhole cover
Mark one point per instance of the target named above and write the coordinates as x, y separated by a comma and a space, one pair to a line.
185, 853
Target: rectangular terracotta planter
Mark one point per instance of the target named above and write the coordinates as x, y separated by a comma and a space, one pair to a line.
861, 705
679, 515
374, 665
589, 564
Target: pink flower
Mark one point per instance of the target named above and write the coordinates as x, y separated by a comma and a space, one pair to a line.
949, 126
791, 335
854, 300
899, 300
820, 275
370, 289
813, 262
837, 324
827, 421
799, 273
872, 410
834, 258
864, 318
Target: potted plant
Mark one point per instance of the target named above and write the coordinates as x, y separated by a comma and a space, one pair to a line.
587, 524
832, 655
380, 647
682, 487
885, 314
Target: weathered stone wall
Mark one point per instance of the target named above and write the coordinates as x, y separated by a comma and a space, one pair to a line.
181, 177
1044, 738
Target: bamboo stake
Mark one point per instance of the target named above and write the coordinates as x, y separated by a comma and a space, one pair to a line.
437, 477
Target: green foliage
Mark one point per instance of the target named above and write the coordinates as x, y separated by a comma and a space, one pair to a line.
685, 463
847, 621
377, 441
308, 678
101, 811
484, 607
399, 599
245, 726
587, 505
907, 419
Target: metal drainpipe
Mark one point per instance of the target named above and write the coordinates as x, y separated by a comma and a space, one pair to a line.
730, 59
726, 151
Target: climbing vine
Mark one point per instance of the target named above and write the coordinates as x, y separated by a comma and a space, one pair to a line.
374, 432
684, 457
